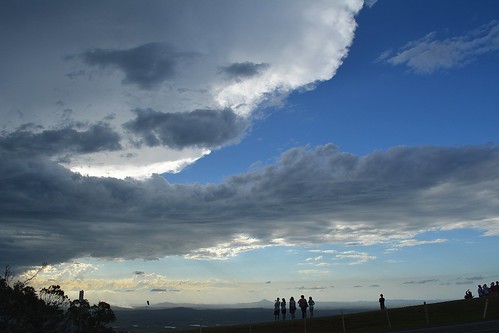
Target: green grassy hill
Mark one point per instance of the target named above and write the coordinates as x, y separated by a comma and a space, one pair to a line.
429, 315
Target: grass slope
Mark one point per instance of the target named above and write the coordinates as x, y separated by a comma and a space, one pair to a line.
411, 317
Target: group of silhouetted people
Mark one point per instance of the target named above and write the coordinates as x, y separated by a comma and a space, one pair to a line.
484, 290
281, 309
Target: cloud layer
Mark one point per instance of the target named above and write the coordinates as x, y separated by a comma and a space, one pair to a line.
310, 196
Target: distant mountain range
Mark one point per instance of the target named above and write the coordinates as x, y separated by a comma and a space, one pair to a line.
266, 304
161, 316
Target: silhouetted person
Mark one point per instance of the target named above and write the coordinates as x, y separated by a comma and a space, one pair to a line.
292, 307
480, 291
311, 304
486, 290
492, 289
382, 302
302, 303
468, 294
277, 309
283, 309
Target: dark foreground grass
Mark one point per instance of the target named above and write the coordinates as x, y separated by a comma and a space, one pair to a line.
425, 315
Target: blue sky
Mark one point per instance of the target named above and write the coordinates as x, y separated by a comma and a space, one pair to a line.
336, 149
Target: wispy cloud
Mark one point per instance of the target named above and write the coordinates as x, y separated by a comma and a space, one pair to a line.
415, 242
354, 257
430, 54
370, 3
311, 288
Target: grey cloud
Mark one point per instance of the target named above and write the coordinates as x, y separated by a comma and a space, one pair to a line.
470, 280
33, 140
420, 282
199, 128
474, 278
312, 288
138, 273
147, 65
429, 54
464, 282
242, 70
163, 290
310, 196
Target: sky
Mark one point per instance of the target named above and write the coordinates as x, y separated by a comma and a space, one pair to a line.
232, 151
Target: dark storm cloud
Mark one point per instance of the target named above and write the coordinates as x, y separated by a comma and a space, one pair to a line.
32, 140
241, 70
199, 128
147, 65
310, 196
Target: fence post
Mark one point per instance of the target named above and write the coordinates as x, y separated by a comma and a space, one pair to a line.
388, 318
485, 309
426, 314
343, 322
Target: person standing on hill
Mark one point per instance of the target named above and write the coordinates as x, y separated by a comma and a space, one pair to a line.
492, 289
382, 302
283, 309
480, 291
292, 307
302, 303
485, 289
311, 304
277, 309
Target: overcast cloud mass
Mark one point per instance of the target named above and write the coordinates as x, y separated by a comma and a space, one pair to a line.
310, 196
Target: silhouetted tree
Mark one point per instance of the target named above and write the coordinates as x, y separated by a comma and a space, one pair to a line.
23, 311
56, 302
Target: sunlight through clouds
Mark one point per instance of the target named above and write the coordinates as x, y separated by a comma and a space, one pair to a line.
223, 251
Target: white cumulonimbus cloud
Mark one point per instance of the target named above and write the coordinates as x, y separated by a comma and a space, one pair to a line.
138, 89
